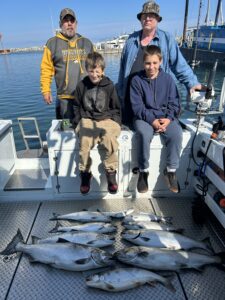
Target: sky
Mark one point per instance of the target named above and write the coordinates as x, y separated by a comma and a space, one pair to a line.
27, 23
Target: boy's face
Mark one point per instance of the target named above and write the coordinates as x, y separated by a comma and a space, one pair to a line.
95, 74
152, 65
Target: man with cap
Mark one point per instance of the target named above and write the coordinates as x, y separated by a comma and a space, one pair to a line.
132, 56
64, 58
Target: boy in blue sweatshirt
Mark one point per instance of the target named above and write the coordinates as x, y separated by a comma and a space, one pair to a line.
156, 106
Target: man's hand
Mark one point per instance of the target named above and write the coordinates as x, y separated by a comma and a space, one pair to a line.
198, 87
47, 98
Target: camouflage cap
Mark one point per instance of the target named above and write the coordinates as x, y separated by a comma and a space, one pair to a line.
150, 7
65, 12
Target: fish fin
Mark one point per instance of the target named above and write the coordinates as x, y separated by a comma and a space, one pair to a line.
167, 220
84, 209
145, 239
35, 239
222, 257
168, 284
151, 283
55, 229
129, 211
208, 244
198, 269
101, 212
91, 243
11, 247
178, 230
31, 258
55, 217
82, 261
62, 240
143, 254
109, 286
167, 274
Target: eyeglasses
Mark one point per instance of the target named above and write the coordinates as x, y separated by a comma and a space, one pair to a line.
68, 19
150, 16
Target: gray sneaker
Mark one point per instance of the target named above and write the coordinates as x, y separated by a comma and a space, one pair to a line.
171, 181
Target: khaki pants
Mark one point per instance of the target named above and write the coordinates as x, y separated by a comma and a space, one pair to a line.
104, 133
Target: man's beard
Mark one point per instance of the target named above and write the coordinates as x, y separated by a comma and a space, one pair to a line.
68, 33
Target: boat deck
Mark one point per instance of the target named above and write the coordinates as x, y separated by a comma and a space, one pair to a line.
22, 280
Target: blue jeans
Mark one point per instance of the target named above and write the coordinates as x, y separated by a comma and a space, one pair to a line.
172, 138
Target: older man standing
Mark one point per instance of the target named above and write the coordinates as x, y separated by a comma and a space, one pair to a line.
132, 56
64, 58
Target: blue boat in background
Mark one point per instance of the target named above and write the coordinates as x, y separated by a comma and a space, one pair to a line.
204, 43
210, 38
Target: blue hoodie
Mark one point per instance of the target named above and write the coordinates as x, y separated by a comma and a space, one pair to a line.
154, 98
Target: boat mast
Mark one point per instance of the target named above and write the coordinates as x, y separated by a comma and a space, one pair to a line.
221, 14
217, 12
207, 14
194, 62
185, 22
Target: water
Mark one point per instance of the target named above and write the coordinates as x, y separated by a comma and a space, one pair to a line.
20, 94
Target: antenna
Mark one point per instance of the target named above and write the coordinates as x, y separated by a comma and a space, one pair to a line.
221, 13
207, 14
53, 28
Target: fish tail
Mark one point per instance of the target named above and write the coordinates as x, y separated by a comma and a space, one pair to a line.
11, 247
167, 220
55, 229
221, 255
208, 245
168, 284
55, 217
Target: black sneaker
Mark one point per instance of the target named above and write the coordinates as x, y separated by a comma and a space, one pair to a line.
142, 184
85, 182
171, 181
112, 183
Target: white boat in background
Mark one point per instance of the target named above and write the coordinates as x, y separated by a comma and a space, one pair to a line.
115, 44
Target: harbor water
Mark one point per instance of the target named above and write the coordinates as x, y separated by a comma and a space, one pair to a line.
20, 94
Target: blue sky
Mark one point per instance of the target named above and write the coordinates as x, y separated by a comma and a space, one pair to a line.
26, 23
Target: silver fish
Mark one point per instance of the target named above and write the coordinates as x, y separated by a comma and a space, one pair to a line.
118, 214
91, 239
163, 239
150, 225
164, 259
143, 217
64, 256
123, 279
100, 227
83, 216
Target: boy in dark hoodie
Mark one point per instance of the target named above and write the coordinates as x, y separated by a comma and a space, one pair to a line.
97, 114
156, 106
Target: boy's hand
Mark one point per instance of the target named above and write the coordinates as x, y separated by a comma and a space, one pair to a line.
156, 125
164, 122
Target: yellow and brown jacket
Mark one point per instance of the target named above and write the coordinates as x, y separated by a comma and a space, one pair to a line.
65, 60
